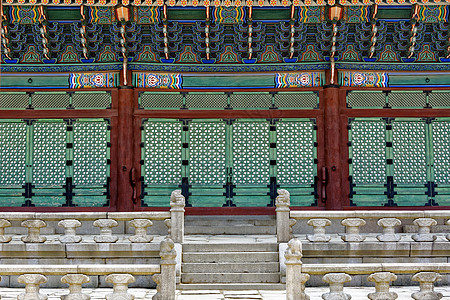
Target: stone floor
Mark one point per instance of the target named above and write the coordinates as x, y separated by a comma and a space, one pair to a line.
404, 293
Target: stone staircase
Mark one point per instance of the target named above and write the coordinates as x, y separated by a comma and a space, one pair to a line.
221, 260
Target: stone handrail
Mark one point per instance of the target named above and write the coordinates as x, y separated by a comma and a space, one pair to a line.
336, 275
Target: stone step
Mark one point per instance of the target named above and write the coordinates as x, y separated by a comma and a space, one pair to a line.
261, 267
230, 278
231, 286
240, 229
212, 257
230, 247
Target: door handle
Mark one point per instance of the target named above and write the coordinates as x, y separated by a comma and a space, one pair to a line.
324, 176
133, 184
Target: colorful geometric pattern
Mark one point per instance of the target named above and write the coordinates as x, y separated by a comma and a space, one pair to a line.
146, 14
160, 80
229, 15
23, 14
187, 55
433, 13
357, 14
311, 14
92, 80
101, 14
305, 79
228, 56
269, 55
362, 79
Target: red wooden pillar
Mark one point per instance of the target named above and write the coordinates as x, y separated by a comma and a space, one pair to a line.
332, 147
125, 152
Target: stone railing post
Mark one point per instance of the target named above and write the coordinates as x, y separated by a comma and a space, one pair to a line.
177, 203
3, 224
426, 281
75, 282
105, 226
293, 255
319, 230
448, 235
32, 282
166, 281
388, 225
382, 280
282, 202
336, 282
140, 232
352, 229
424, 234
120, 286
34, 231
70, 235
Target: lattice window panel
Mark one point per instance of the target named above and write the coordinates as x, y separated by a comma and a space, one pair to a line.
14, 100
48, 100
167, 100
49, 153
295, 152
251, 100
91, 100
162, 152
441, 151
296, 100
403, 99
207, 152
251, 152
369, 152
409, 152
90, 152
206, 100
364, 99
13, 151
439, 99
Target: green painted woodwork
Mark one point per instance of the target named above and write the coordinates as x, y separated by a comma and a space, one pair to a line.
35, 81
418, 80
67, 14
271, 14
229, 81
174, 14
394, 13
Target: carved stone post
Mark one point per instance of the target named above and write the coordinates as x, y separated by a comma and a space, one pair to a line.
448, 235
34, 230
424, 234
336, 282
388, 225
3, 224
282, 202
140, 232
293, 263
177, 203
32, 282
303, 279
382, 280
106, 226
426, 281
75, 281
70, 235
120, 286
166, 281
352, 229
319, 230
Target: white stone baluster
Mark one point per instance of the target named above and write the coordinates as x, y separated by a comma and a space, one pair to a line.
34, 230
424, 234
140, 232
336, 282
177, 203
426, 281
352, 229
293, 255
382, 281
32, 282
388, 225
282, 202
105, 226
120, 286
319, 230
448, 235
3, 224
166, 281
75, 282
70, 235
292, 223
303, 279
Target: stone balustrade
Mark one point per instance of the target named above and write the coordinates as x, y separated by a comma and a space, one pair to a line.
381, 274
